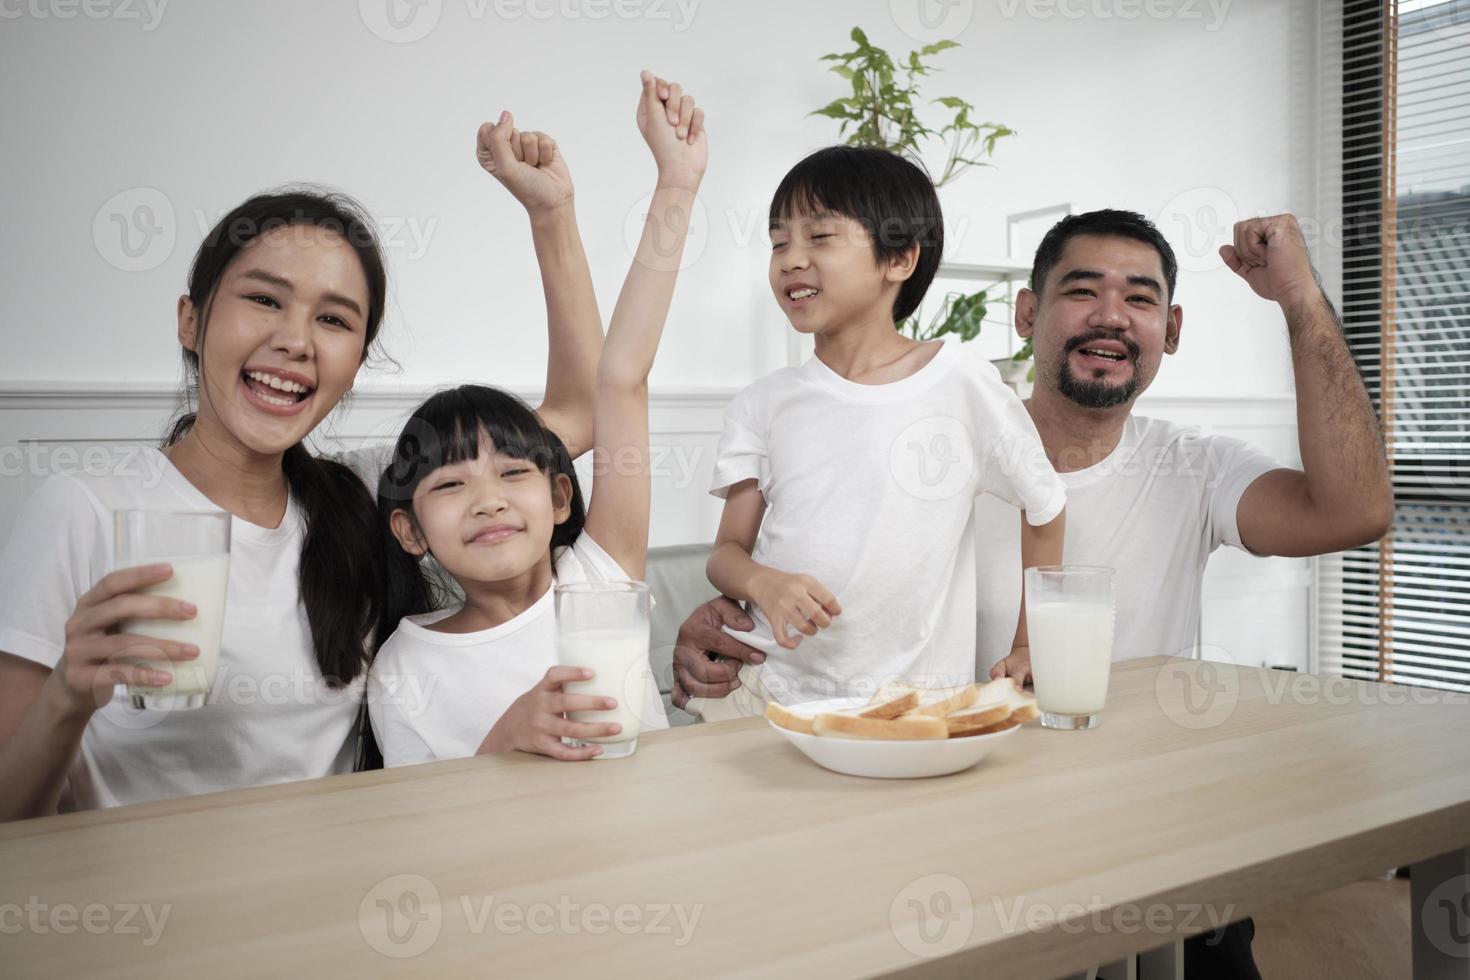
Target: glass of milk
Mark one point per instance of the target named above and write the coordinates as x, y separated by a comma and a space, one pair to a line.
197, 545
1069, 619
604, 626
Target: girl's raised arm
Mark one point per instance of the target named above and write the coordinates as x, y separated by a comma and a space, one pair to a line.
533, 169
617, 516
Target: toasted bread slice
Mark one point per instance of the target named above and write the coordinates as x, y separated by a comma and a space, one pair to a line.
972, 721
998, 705
890, 702
790, 720
943, 701
1009, 723
891, 690
910, 726
899, 701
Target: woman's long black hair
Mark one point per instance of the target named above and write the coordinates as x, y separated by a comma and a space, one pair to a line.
342, 575
447, 429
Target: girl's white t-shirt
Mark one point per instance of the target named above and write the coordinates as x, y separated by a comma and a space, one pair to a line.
871, 490
435, 695
273, 718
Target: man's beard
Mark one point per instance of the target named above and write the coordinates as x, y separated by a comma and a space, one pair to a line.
1096, 394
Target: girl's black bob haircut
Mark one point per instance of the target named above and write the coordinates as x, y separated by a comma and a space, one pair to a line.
890, 196
447, 428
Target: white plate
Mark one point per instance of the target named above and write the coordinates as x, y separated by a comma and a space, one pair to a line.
887, 758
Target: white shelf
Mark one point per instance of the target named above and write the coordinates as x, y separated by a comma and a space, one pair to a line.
989, 270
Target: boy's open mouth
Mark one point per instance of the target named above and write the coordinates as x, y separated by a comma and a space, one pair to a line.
273, 390
801, 295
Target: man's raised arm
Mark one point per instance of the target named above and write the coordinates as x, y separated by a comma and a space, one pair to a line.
1342, 497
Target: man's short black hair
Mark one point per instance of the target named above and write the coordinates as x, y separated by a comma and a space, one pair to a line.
891, 197
1105, 224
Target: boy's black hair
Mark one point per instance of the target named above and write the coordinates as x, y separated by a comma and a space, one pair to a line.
446, 429
891, 197
1106, 223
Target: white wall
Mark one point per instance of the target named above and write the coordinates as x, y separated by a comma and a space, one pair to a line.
1191, 118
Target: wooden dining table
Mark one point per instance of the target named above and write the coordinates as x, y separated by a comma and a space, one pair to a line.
1208, 792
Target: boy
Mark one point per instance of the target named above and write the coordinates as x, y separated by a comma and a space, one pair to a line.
849, 482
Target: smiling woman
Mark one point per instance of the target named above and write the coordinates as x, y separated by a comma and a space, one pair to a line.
285, 301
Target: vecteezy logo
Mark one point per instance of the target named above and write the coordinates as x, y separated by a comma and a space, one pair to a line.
1446, 917
933, 459
927, 21
666, 239
933, 915
400, 916
400, 21
1198, 221
1197, 694
134, 230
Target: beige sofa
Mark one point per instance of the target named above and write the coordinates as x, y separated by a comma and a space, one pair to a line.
676, 579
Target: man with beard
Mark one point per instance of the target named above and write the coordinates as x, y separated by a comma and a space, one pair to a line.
1147, 497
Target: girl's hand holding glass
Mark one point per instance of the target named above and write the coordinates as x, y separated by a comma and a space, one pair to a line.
536, 721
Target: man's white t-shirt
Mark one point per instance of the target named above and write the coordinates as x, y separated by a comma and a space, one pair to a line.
274, 719
1153, 510
871, 490
435, 695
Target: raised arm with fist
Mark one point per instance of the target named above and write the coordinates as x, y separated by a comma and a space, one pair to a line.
529, 164
1271, 255
673, 128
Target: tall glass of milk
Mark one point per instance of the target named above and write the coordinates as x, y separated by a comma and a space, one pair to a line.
1069, 619
197, 545
604, 626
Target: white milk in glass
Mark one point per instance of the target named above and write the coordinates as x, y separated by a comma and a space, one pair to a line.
619, 659
1071, 654
202, 580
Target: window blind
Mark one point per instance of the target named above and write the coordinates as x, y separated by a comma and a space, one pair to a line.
1399, 610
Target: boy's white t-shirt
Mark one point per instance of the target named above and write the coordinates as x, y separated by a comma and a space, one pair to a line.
435, 695
273, 719
871, 490
1153, 510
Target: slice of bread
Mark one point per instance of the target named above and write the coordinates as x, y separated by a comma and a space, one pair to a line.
972, 721
1023, 705
944, 701
789, 720
998, 705
889, 702
909, 726
896, 702
1011, 722
891, 690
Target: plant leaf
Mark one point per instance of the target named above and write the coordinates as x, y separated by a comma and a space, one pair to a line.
938, 46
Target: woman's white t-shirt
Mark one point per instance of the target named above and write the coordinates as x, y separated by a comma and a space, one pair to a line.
871, 490
273, 718
435, 695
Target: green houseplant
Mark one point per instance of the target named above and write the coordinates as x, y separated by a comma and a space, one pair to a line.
882, 111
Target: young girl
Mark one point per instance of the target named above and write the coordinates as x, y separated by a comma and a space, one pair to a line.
481, 486
285, 302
